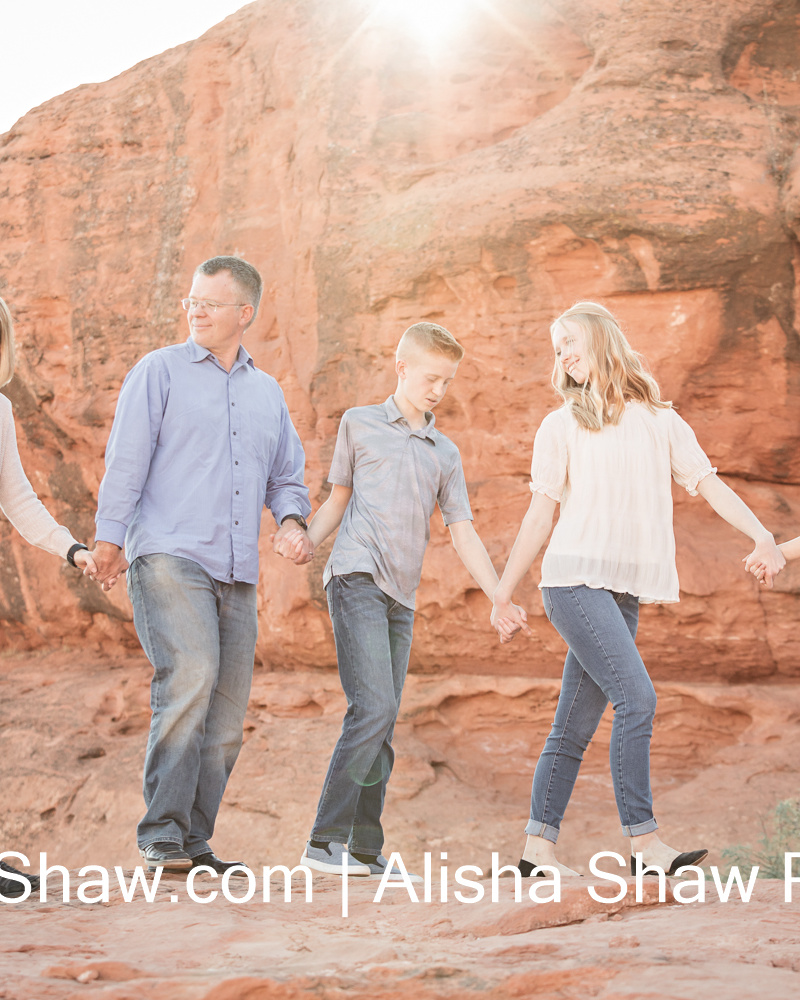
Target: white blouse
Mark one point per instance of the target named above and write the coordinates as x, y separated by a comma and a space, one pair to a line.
615, 531
18, 500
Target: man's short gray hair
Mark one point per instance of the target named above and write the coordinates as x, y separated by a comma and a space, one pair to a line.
244, 274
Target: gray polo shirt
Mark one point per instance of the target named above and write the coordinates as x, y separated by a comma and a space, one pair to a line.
397, 475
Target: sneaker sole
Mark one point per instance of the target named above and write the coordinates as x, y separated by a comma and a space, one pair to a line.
358, 870
179, 865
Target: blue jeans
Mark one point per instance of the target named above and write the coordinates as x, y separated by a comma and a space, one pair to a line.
200, 636
373, 641
602, 665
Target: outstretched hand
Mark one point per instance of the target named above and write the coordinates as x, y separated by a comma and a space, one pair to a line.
291, 542
765, 562
508, 619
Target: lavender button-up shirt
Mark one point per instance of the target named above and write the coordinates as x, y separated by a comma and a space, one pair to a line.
195, 454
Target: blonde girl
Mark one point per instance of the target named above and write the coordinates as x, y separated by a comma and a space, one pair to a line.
607, 456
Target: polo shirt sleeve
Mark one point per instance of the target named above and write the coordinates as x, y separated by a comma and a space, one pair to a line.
343, 461
453, 498
688, 461
549, 462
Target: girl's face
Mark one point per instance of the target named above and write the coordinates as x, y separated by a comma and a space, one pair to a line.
570, 347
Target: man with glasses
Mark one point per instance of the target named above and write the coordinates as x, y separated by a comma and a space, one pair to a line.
201, 442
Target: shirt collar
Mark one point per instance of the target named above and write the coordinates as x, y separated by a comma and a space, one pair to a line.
393, 414
198, 353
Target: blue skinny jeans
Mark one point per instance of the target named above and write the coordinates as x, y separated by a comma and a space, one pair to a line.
603, 665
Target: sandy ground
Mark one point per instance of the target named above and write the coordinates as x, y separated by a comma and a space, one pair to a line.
72, 744
174, 948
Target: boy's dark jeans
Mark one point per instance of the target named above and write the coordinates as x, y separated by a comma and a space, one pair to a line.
373, 641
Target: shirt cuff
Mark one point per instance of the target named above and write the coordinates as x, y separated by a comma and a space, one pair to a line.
341, 481
547, 491
453, 517
691, 485
279, 513
111, 531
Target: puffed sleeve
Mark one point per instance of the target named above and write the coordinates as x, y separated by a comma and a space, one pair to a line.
689, 462
549, 462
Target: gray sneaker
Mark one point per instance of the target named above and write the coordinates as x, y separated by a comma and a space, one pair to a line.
377, 869
329, 859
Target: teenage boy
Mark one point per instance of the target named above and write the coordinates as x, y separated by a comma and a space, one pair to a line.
390, 468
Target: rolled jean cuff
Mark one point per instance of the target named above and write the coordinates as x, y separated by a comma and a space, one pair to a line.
640, 829
537, 829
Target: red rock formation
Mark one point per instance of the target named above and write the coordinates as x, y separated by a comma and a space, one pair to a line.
623, 150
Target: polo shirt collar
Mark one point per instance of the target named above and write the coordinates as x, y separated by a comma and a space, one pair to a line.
393, 414
198, 353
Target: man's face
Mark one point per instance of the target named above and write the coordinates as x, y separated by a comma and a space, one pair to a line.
425, 377
211, 327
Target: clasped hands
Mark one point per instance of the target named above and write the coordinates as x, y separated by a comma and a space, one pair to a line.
105, 565
291, 542
508, 618
765, 561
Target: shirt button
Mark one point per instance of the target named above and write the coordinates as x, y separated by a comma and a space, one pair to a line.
235, 463
237, 493
234, 433
233, 404
235, 522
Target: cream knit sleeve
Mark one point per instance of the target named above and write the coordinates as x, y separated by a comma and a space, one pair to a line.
18, 500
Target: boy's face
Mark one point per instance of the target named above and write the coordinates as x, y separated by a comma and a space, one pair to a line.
424, 378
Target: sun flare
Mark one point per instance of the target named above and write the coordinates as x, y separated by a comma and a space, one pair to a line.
432, 20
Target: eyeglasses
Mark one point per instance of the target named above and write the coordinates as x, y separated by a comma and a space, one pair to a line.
208, 306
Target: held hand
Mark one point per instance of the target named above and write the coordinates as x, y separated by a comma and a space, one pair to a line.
85, 561
757, 569
291, 542
110, 563
508, 619
765, 561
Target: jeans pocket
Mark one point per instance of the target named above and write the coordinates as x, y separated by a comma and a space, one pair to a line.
329, 591
548, 604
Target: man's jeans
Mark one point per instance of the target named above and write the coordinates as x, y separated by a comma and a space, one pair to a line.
200, 635
602, 665
373, 641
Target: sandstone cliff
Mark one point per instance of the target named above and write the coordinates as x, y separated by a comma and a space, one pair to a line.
616, 149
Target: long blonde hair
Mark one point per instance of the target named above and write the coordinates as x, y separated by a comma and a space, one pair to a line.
7, 349
616, 372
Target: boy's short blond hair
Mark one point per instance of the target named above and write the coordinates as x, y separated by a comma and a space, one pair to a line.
429, 337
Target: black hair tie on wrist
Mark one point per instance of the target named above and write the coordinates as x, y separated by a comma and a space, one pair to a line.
73, 549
